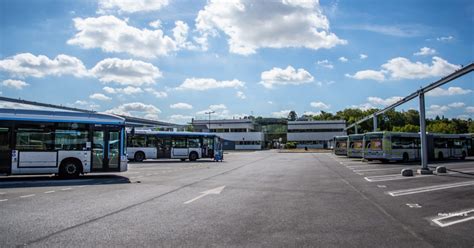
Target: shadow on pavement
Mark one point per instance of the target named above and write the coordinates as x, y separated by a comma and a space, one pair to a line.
49, 180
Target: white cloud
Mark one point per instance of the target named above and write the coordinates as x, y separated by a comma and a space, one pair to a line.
16, 84
456, 105
281, 114
363, 56
325, 63
383, 102
464, 117
86, 104
158, 94
128, 6
240, 95
220, 112
364, 106
140, 109
180, 35
181, 119
445, 38
470, 109
100, 97
181, 105
28, 65
114, 35
343, 59
279, 76
208, 83
451, 91
155, 24
217, 107
270, 102
425, 51
311, 113
126, 72
436, 110
402, 68
320, 105
129, 90
251, 25
392, 30
368, 74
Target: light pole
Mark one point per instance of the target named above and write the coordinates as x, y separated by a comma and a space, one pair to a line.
209, 113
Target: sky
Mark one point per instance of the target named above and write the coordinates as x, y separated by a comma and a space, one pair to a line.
173, 60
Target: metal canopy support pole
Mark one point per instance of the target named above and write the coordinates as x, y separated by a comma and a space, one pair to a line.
424, 148
355, 129
375, 122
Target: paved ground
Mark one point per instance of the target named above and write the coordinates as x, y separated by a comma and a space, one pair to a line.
255, 199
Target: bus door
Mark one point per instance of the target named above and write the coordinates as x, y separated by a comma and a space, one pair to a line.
106, 149
164, 148
5, 150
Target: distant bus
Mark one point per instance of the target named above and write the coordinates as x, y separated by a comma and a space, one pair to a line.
340, 145
356, 146
143, 144
398, 146
445, 146
63, 143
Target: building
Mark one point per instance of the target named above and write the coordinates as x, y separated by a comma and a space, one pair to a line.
238, 134
314, 134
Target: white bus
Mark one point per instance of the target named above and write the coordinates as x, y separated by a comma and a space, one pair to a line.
356, 146
444, 146
340, 145
143, 144
64, 143
386, 146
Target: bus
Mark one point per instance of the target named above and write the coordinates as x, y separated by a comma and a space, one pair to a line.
355, 147
146, 144
63, 143
398, 146
445, 146
340, 145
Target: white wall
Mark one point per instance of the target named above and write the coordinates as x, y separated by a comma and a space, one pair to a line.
250, 136
248, 147
312, 136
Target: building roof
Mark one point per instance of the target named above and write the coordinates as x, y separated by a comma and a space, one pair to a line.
316, 122
226, 121
59, 116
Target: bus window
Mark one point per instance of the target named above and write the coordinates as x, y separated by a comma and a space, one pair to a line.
71, 139
179, 143
194, 143
35, 137
151, 141
138, 141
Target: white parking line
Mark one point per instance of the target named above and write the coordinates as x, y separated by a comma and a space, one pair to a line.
49, 192
66, 189
456, 218
390, 177
429, 188
2, 193
25, 196
2, 200
379, 169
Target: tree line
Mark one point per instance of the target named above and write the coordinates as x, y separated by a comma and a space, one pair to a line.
392, 120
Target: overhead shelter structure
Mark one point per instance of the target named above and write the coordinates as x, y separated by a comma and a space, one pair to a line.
421, 96
129, 120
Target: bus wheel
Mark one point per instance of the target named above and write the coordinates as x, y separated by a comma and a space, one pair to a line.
440, 156
193, 156
139, 156
463, 156
405, 157
70, 169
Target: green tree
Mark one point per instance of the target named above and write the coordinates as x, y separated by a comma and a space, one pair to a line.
407, 128
292, 116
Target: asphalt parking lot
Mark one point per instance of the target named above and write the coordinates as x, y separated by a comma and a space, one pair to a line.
252, 199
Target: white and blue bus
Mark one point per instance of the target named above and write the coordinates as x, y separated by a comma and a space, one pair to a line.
146, 144
340, 145
355, 147
64, 143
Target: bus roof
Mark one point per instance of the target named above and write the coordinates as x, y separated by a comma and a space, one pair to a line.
166, 133
341, 137
59, 116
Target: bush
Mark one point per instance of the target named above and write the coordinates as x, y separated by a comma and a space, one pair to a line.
290, 145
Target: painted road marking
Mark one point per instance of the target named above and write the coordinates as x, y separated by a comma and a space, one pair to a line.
2, 200
25, 196
413, 205
390, 177
454, 218
381, 186
49, 192
2, 193
215, 191
378, 169
66, 189
429, 188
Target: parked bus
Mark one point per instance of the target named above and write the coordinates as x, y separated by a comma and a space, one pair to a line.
340, 145
64, 143
443, 146
143, 144
356, 146
387, 146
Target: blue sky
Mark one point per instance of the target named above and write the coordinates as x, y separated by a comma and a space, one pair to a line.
174, 60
